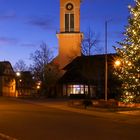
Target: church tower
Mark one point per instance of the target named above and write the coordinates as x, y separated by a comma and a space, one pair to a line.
69, 37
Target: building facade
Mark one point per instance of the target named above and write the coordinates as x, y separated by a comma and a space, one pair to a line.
25, 84
85, 76
7, 79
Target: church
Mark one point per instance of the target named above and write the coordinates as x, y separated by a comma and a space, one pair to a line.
80, 75
69, 37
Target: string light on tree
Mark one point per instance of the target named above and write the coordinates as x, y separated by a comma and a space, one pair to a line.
129, 54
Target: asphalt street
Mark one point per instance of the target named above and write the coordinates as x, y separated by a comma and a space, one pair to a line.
23, 120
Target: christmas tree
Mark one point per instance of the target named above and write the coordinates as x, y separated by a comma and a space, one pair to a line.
127, 66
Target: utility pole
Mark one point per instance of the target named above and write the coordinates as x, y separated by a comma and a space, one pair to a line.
106, 64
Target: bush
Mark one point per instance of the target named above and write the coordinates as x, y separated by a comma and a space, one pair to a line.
87, 103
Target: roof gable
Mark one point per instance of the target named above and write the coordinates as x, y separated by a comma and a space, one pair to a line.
6, 68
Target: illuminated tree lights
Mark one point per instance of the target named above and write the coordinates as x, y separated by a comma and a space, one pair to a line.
128, 71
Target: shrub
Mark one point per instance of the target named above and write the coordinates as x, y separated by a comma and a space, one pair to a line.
87, 103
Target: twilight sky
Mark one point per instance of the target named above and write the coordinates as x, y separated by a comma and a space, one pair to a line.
24, 24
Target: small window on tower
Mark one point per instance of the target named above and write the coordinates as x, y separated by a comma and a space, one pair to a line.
66, 22
72, 22
69, 22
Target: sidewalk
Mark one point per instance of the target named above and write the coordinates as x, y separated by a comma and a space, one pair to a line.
129, 117
93, 111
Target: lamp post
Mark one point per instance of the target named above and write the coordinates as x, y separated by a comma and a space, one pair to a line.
106, 65
18, 75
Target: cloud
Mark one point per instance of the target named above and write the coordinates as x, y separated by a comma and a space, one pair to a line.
8, 15
28, 45
8, 41
42, 23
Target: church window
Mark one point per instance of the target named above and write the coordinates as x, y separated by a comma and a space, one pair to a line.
69, 22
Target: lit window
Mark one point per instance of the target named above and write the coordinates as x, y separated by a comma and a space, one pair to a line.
77, 89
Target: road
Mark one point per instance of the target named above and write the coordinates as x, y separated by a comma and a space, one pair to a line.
27, 121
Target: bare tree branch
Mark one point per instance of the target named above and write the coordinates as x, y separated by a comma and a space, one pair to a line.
20, 66
41, 58
89, 42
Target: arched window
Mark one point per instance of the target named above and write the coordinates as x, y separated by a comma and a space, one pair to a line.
69, 22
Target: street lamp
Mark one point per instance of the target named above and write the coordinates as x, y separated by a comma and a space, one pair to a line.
117, 63
38, 85
106, 63
18, 74
18, 81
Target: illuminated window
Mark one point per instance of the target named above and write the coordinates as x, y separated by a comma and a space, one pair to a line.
77, 89
69, 22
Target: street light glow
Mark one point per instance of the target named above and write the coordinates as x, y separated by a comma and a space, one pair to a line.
18, 74
38, 87
117, 63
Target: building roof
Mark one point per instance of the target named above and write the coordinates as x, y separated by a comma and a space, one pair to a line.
83, 60
87, 68
6, 68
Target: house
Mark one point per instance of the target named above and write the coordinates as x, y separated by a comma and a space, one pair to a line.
25, 84
7, 79
85, 75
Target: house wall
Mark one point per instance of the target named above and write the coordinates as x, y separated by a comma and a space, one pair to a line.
7, 79
69, 47
7, 86
90, 70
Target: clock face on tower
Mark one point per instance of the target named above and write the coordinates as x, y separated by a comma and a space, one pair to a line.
69, 6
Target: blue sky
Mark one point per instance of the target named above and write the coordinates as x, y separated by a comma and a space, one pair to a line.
24, 24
